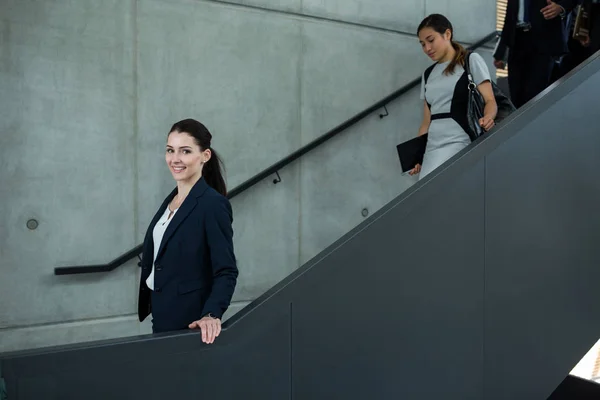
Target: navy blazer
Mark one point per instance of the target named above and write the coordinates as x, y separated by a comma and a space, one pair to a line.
549, 36
195, 271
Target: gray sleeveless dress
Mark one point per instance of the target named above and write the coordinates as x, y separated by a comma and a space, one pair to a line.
446, 137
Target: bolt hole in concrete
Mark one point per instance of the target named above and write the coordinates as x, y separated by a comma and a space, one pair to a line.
32, 224
365, 212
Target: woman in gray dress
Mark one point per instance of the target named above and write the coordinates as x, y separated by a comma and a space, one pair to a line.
444, 91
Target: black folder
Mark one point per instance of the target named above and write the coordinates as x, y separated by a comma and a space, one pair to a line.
411, 152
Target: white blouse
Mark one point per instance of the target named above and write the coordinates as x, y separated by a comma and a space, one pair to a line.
157, 235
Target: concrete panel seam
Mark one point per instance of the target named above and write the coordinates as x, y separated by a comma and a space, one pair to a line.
134, 24
300, 135
243, 303
136, 125
313, 18
69, 322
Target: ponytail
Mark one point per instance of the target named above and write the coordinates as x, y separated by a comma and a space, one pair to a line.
212, 171
459, 58
213, 175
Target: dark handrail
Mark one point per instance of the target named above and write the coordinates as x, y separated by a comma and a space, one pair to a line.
273, 169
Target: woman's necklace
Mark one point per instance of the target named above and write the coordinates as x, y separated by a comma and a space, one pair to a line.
176, 203
174, 206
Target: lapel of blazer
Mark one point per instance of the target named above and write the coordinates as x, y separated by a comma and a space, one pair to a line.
148, 250
184, 211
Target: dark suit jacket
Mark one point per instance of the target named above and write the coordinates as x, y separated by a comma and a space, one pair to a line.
195, 269
549, 36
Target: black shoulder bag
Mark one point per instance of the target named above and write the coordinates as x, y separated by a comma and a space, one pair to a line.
476, 103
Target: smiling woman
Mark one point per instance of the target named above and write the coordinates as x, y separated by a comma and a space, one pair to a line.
189, 270
189, 155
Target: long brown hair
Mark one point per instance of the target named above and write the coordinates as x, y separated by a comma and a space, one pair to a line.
441, 24
212, 171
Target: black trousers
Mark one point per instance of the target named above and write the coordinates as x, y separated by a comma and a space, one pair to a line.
577, 55
595, 28
529, 71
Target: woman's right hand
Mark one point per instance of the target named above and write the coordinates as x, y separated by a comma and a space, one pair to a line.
209, 326
415, 170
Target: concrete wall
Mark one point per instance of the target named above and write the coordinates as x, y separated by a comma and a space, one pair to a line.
90, 89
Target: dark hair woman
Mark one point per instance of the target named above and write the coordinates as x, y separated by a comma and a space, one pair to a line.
444, 91
189, 270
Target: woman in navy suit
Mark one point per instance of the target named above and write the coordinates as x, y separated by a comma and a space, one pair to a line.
189, 269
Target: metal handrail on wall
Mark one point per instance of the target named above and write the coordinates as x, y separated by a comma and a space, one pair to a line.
272, 170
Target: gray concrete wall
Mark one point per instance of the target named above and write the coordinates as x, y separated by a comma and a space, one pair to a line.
89, 90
